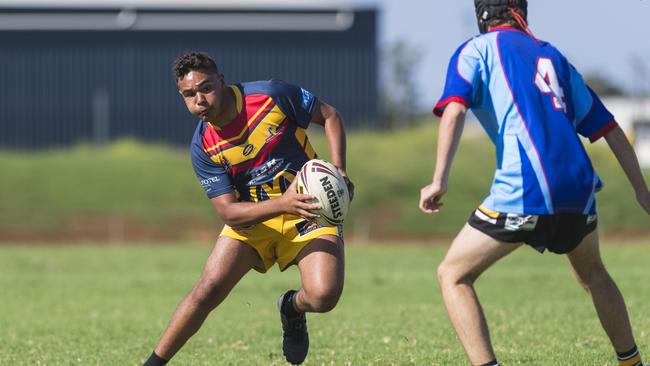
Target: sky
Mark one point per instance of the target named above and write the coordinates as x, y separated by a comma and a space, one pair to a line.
610, 38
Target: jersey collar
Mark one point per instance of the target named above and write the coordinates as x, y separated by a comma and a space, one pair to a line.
238, 103
238, 97
504, 27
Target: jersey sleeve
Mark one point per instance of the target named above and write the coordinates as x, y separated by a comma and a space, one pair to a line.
593, 120
462, 74
213, 177
297, 103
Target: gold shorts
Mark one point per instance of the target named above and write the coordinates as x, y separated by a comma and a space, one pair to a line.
280, 239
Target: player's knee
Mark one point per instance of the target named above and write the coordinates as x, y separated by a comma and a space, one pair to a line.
207, 293
598, 277
324, 299
451, 275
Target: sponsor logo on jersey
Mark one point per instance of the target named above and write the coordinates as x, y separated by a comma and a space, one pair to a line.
266, 172
205, 183
307, 99
248, 149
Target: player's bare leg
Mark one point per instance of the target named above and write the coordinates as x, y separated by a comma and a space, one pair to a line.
322, 269
471, 253
321, 265
229, 261
590, 271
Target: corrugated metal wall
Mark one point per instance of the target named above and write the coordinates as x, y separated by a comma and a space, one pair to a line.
65, 87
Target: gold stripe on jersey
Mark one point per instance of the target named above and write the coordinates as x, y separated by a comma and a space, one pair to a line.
301, 137
257, 138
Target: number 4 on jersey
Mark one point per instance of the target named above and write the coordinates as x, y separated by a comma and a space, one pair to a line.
548, 83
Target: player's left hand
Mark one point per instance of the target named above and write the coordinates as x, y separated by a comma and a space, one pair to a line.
430, 197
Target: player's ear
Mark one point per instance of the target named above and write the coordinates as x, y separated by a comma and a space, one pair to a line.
222, 79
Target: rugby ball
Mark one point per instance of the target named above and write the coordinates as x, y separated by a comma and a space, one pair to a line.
323, 180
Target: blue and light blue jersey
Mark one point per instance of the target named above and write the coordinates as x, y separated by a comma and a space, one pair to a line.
533, 104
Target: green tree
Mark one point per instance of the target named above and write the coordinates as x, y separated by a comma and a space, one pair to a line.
399, 89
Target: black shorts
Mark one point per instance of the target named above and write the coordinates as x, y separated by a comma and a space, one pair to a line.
558, 233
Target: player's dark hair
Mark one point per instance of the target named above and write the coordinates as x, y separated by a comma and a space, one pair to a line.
509, 19
495, 12
190, 61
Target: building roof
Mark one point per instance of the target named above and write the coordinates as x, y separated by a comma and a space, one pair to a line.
176, 15
176, 4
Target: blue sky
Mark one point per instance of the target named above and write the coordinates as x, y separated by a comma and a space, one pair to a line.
611, 38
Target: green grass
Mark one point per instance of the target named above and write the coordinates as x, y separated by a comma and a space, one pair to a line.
107, 305
154, 187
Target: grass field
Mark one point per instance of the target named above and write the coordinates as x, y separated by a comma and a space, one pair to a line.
153, 188
107, 305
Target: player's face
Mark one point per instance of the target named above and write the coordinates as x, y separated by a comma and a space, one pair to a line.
204, 94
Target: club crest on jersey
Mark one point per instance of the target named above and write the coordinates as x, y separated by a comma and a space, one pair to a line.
275, 132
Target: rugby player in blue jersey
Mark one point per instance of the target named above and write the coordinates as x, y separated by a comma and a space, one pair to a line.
533, 104
247, 148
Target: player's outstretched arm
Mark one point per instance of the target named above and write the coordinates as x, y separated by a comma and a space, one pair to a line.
449, 132
242, 214
626, 157
328, 117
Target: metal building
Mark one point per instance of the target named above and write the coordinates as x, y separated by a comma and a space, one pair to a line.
77, 71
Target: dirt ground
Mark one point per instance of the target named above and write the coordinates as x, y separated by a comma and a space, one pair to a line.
115, 230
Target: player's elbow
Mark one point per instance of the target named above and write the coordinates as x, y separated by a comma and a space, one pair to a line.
331, 114
227, 220
228, 215
232, 219
454, 111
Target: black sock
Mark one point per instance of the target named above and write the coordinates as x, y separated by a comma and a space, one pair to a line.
491, 363
155, 360
287, 307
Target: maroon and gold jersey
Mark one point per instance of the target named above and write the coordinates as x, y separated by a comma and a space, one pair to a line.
257, 154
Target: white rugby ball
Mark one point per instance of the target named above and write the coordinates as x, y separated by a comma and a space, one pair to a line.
323, 180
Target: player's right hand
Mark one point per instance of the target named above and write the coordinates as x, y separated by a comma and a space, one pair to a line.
430, 197
298, 204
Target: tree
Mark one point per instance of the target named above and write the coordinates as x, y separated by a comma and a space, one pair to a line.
399, 90
603, 86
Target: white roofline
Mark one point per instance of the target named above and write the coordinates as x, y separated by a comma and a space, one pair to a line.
132, 20
176, 4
